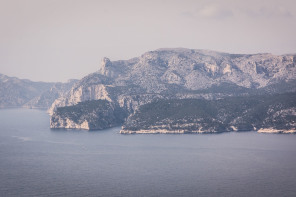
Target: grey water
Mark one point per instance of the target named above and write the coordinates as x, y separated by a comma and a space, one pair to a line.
38, 161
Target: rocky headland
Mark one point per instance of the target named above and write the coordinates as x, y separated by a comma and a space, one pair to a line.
181, 75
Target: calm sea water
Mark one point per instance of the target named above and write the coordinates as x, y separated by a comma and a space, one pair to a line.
37, 161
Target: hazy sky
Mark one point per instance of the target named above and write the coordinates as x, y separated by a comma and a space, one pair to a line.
56, 40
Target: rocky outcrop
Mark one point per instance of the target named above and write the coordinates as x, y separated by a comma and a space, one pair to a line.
89, 88
272, 130
182, 74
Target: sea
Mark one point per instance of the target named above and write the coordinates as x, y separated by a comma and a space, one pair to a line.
38, 161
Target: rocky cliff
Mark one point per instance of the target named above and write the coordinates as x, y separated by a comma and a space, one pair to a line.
182, 74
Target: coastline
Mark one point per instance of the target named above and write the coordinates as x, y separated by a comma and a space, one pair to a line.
180, 131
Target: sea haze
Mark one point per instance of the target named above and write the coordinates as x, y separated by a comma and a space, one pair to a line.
37, 161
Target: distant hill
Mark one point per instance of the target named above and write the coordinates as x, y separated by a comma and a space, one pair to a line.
15, 92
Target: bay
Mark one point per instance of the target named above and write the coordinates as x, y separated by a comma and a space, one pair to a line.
38, 161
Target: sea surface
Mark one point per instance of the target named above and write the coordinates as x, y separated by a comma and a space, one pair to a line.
38, 161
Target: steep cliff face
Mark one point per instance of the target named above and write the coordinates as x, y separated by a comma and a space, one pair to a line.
182, 73
81, 93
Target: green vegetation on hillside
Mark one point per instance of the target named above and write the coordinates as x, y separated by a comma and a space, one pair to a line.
99, 114
243, 113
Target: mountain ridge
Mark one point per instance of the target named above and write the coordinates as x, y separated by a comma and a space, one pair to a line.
182, 74
15, 92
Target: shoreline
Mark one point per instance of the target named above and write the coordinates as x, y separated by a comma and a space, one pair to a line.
180, 131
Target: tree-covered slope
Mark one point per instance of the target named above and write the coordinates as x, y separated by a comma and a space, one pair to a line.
90, 115
229, 114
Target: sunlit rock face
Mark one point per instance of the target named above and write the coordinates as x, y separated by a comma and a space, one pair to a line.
183, 73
